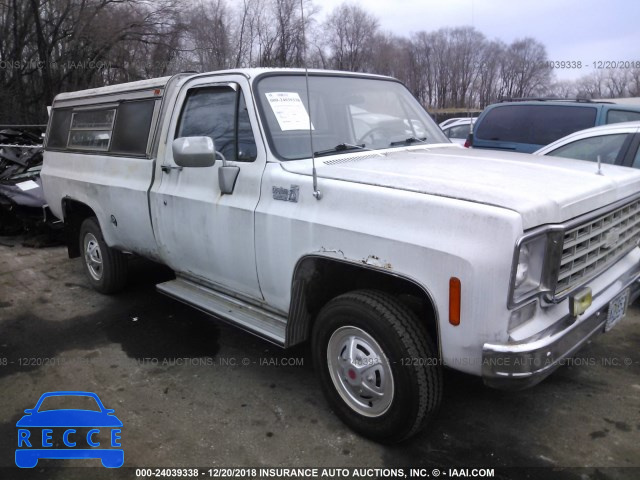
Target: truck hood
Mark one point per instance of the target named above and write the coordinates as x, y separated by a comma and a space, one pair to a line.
541, 189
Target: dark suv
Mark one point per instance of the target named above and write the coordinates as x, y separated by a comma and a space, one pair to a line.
529, 124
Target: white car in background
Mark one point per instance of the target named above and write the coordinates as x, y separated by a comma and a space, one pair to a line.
449, 121
459, 130
617, 144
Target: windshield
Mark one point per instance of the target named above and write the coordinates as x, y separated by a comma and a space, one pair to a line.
347, 113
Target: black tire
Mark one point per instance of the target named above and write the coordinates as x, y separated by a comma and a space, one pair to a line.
105, 267
366, 321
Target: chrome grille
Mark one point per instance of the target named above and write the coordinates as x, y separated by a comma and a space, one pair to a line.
593, 246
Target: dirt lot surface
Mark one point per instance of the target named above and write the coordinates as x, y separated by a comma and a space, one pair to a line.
194, 392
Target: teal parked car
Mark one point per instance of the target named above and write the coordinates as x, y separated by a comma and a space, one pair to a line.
529, 124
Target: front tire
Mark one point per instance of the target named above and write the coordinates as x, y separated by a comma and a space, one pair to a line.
378, 367
105, 267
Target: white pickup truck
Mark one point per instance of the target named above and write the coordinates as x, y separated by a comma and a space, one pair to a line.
328, 207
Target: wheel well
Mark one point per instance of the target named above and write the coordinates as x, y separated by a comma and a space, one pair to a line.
316, 280
74, 213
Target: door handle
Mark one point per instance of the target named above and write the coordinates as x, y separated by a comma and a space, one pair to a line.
168, 168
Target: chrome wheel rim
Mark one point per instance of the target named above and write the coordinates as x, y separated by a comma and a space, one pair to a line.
93, 256
360, 371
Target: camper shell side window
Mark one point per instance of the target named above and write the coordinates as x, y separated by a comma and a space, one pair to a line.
118, 129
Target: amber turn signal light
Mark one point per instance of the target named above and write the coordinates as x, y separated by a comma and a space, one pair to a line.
454, 301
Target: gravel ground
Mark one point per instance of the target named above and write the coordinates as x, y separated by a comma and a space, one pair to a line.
194, 392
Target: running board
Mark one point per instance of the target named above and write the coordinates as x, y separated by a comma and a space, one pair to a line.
253, 319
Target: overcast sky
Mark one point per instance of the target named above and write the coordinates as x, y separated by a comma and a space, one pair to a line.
580, 30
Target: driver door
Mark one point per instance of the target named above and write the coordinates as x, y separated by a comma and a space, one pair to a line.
201, 233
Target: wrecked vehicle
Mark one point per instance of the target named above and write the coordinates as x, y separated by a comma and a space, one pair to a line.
21, 197
328, 207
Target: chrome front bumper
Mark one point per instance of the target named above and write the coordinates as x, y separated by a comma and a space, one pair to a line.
524, 364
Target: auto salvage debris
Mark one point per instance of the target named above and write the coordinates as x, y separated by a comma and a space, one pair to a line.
22, 204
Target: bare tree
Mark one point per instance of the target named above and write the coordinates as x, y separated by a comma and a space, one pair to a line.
465, 56
244, 35
350, 31
609, 83
524, 69
389, 57
634, 82
209, 35
563, 89
17, 58
49, 46
281, 35
593, 85
488, 78
616, 82
60, 45
420, 74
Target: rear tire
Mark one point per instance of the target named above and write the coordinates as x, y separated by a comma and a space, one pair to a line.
105, 267
378, 367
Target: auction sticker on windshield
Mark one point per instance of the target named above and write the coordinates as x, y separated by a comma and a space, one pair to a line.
289, 111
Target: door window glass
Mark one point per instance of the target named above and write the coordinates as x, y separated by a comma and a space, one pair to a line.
636, 160
606, 146
617, 116
219, 113
460, 131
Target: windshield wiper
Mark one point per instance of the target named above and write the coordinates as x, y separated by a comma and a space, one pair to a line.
409, 141
342, 147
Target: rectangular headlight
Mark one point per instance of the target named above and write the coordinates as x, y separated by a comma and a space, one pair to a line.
536, 263
529, 267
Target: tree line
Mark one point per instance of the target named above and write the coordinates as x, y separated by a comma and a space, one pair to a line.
52, 46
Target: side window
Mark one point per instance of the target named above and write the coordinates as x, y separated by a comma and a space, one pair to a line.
219, 113
123, 129
91, 130
460, 131
59, 131
617, 116
607, 146
636, 160
133, 123
534, 124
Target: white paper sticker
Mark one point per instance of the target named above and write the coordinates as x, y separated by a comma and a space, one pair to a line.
28, 185
289, 111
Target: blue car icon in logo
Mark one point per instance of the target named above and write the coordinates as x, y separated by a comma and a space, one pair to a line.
54, 430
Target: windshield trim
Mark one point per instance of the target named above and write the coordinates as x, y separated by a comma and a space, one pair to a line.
314, 73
